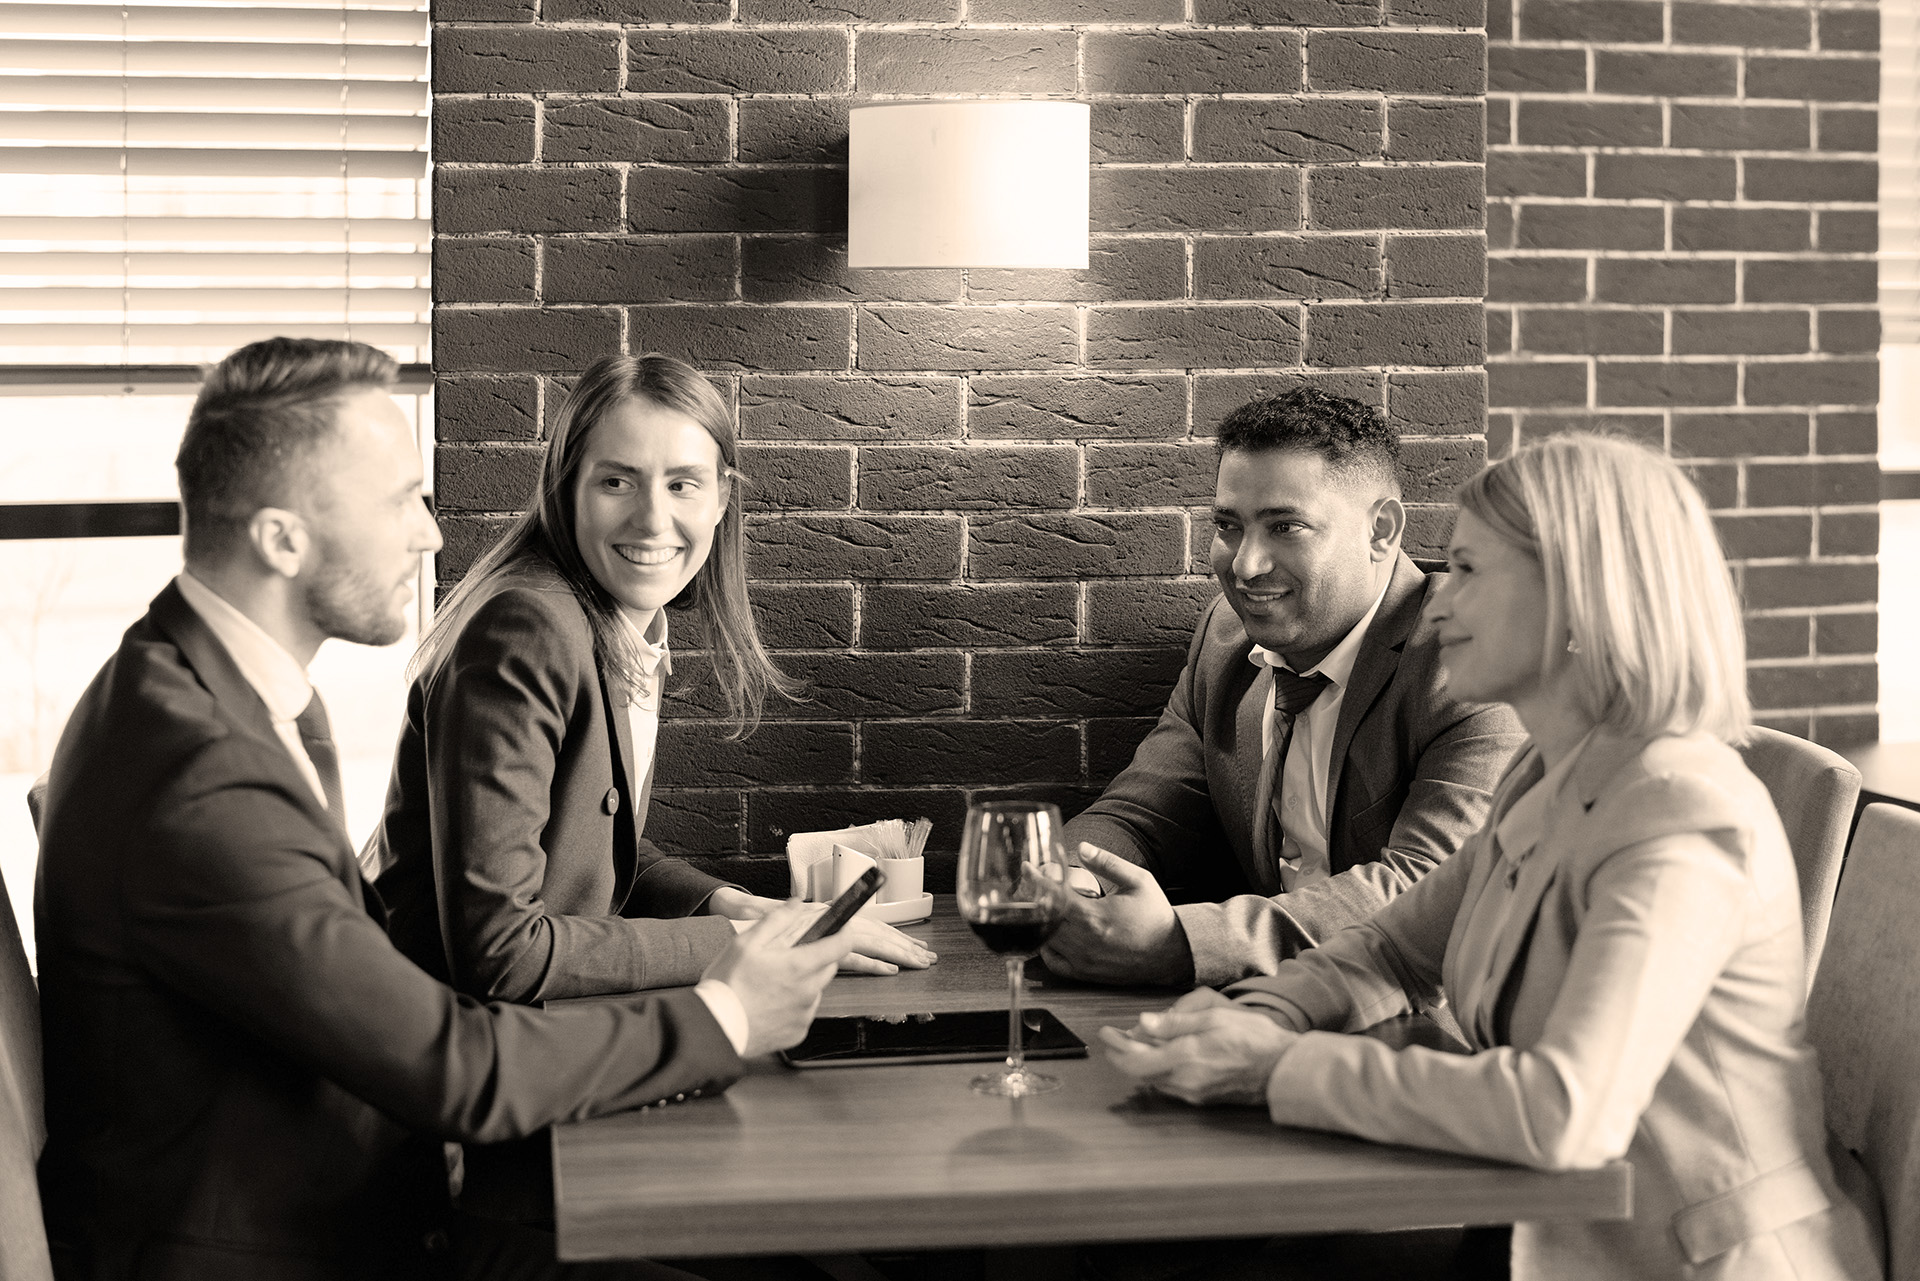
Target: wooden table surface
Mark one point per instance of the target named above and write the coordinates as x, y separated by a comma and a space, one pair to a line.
876, 1158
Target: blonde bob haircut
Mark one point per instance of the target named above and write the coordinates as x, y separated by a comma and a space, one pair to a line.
1639, 598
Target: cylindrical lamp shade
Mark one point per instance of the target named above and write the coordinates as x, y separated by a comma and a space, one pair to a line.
967, 184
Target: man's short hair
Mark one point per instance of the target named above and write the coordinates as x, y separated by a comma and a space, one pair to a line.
1352, 437
260, 415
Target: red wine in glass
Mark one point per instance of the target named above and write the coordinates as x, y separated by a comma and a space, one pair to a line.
1012, 883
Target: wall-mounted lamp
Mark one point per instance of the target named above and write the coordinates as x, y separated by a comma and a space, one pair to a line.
967, 184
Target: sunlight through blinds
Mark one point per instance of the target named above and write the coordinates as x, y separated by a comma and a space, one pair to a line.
1900, 172
177, 180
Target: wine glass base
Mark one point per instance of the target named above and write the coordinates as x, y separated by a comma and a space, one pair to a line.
1014, 1085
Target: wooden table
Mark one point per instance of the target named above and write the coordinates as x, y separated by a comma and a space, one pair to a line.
881, 1158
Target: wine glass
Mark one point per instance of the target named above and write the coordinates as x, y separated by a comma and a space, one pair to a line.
1012, 883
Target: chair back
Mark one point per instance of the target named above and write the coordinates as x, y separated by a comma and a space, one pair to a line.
1863, 1018
23, 1126
1814, 789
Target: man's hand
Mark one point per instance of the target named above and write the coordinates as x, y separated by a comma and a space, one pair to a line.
1130, 936
1217, 1053
778, 984
878, 948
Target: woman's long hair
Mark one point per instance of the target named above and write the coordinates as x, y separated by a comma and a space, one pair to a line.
1640, 602
540, 544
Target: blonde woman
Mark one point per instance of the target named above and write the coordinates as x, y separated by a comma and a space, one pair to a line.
1620, 944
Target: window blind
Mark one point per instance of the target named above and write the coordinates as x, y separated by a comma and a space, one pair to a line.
177, 180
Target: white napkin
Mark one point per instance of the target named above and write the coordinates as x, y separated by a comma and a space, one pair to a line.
810, 858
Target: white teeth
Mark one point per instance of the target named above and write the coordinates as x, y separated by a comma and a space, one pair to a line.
638, 556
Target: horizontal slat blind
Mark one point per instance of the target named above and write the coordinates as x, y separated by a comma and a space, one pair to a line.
176, 180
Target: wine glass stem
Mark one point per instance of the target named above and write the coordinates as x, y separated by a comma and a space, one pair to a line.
1016, 981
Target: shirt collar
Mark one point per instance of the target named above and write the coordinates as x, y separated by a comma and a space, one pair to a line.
650, 646
1337, 666
275, 675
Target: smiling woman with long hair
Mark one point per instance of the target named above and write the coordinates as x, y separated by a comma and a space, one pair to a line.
512, 854
1620, 944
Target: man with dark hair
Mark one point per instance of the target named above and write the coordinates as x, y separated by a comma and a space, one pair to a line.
244, 1077
1309, 765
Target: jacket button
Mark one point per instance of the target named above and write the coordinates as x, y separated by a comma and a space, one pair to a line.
679, 1098
612, 804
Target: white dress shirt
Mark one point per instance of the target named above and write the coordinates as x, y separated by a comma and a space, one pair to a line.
643, 720
1309, 765
275, 675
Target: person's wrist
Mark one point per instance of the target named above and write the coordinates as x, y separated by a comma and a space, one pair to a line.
1172, 955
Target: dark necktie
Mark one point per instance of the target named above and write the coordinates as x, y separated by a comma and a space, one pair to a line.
316, 735
1292, 694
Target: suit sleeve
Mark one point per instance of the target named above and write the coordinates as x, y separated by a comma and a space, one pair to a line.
515, 687
1447, 800
237, 906
1157, 808
1664, 918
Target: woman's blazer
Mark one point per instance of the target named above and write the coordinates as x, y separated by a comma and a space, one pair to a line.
510, 852
1644, 999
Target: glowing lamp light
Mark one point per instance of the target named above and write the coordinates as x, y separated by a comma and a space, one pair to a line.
967, 184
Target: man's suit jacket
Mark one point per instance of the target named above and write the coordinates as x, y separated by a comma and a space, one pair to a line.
1412, 775
511, 846
1643, 997
244, 1077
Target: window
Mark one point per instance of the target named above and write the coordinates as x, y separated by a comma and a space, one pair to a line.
176, 181
1899, 365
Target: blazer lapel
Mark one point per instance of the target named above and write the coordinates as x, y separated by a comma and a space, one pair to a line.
239, 700
625, 852
1373, 669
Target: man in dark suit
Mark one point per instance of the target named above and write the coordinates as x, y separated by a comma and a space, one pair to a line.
244, 1078
1309, 765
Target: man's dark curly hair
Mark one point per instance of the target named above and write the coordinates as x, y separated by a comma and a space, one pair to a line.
1352, 437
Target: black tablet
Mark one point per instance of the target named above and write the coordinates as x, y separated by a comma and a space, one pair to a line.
968, 1036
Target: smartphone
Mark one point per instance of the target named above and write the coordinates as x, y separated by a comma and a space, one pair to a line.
841, 910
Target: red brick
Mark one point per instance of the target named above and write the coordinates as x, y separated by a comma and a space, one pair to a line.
524, 59
1840, 433
676, 269
1537, 383
1812, 484
1844, 130
1815, 685
862, 686
1846, 633
791, 130
1849, 533
1619, 176
493, 269
482, 130
1603, 21
1751, 230
485, 480
1286, 266
665, 198
1750, 536
810, 616
1147, 610
1536, 70
1737, 435
1429, 129
847, 11
1691, 75
486, 408
1819, 583
1823, 79
1848, 331
634, 129
1288, 13
1148, 129
1779, 636
1450, 403
1748, 26
1436, 266
1589, 227
1117, 270
1848, 231
1698, 125
1537, 280
1536, 173
1549, 122
523, 339
517, 200
1663, 280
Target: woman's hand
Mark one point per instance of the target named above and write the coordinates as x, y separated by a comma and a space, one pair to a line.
878, 948
1203, 1050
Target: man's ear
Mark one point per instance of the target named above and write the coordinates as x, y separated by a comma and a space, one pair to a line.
1389, 526
280, 540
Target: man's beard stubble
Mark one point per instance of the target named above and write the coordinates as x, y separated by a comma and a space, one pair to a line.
353, 606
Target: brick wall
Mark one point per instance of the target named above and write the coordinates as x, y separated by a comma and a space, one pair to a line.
1681, 229
975, 492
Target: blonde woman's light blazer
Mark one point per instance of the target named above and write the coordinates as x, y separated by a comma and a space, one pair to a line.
1644, 999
